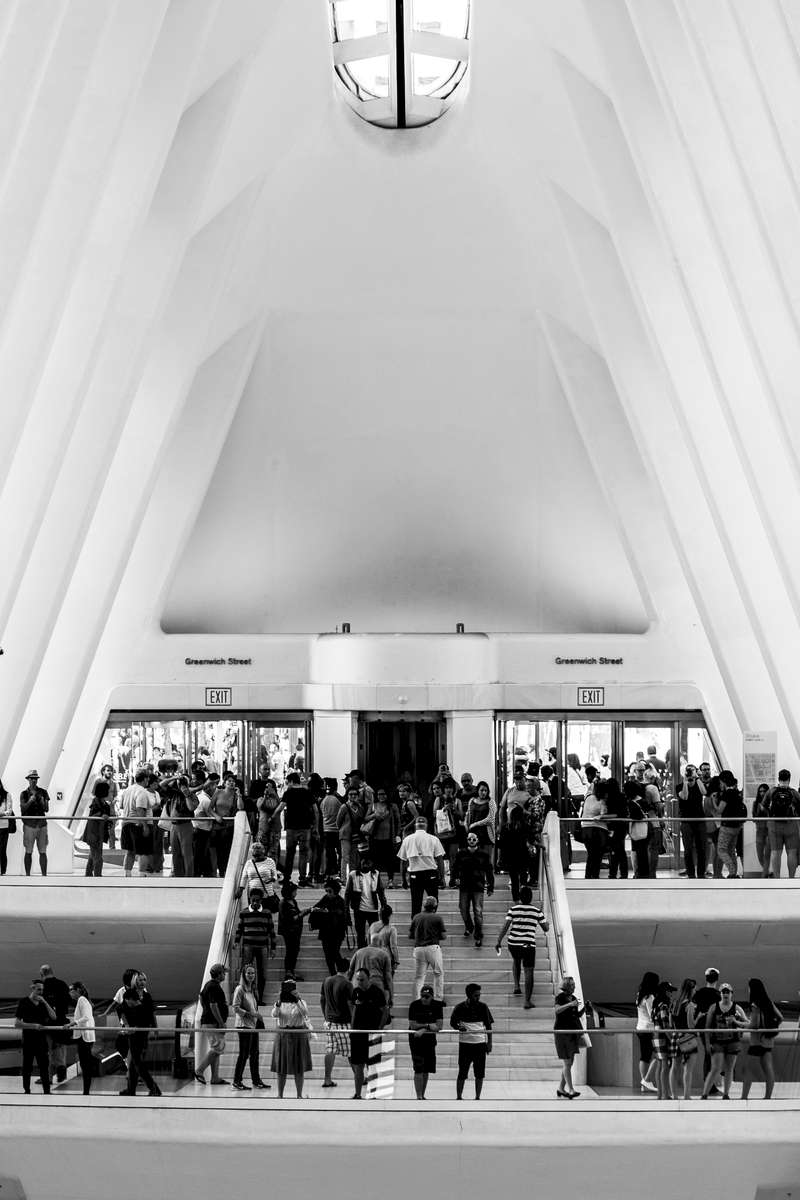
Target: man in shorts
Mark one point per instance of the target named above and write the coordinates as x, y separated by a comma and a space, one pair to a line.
34, 803
473, 1021
213, 1020
425, 1018
335, 998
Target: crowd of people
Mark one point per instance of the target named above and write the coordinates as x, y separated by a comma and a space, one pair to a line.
625, 826
353, 1006
679, 1027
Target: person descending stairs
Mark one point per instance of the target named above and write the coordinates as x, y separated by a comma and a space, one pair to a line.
523, 1061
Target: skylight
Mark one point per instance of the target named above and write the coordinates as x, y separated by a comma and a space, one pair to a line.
399, 62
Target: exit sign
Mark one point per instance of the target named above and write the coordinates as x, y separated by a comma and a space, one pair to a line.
591, 697
219, 697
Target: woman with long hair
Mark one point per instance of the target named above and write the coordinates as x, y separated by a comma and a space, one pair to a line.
82, 1026
617, 811
245, 1011
645, 999
639, 828
291, 1052
567, 1034
765, 1018
664, 1040
725, 1021
6, 813
760, 815
687, 1042
481, 816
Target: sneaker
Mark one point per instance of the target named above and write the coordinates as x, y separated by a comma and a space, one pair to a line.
478, 942
241, 1087
517, 992
648, 1087
261, 1085
467, 933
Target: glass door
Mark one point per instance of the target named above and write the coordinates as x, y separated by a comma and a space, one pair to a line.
588, 743
280, 745
218, 744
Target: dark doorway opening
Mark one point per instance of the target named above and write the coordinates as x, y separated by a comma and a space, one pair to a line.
391, 748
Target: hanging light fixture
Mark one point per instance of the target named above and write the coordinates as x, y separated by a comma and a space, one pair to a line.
398, 63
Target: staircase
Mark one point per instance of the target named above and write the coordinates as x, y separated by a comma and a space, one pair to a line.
523, 1048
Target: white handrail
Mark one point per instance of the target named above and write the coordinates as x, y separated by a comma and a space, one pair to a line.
227, 910
560, 939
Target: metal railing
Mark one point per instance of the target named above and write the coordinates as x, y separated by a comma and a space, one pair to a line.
524, 1062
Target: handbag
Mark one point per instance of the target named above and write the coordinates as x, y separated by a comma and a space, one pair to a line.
12, 823
271, 902
444, 822
639, 831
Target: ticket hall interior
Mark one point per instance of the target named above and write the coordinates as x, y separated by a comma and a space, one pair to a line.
406, 387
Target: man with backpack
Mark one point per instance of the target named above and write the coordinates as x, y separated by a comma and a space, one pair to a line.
783, 809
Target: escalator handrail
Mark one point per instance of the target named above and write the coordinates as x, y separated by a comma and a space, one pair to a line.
556, 903
219, 947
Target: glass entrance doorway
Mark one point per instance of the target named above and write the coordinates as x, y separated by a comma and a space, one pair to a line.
612, 742
392, 749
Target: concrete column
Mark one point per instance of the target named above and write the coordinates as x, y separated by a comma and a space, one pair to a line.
470, 744
334, 743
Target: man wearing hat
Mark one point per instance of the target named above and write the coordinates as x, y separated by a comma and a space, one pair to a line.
34, 802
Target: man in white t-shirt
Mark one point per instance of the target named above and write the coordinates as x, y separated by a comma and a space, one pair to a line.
422, 861
136, 809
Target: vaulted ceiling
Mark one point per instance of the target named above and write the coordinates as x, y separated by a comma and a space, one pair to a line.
264, 366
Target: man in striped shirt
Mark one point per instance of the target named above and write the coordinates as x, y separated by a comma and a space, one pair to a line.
256, 933
521, 922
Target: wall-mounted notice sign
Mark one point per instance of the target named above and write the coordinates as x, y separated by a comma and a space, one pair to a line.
219, 697
591, 697
760, 751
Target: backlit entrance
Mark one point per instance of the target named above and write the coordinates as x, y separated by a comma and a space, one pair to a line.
393, 748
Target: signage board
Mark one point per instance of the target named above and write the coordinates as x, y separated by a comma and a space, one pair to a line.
591, 697
217, 697
760, 762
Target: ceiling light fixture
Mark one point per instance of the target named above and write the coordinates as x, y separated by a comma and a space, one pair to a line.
398, 63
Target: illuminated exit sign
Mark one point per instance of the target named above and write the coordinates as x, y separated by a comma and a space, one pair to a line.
219, 697
591, 697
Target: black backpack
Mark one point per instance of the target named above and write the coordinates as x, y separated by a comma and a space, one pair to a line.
781, 804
